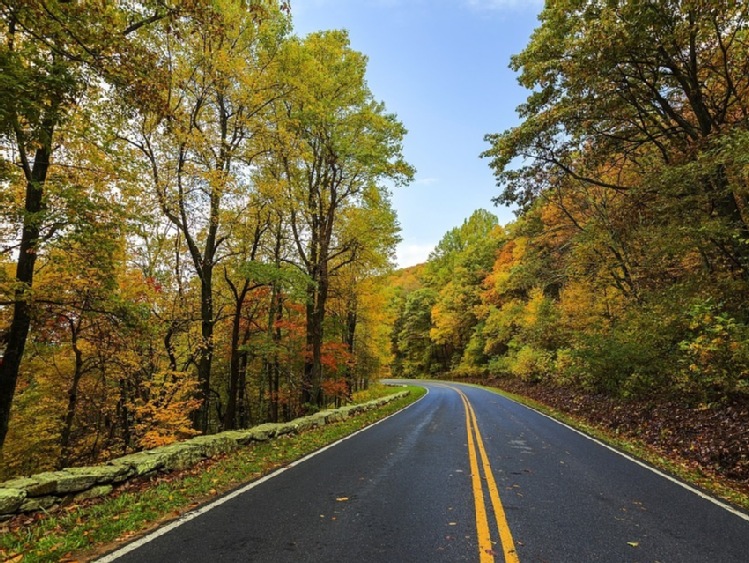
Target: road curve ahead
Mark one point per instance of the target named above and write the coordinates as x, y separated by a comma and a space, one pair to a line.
462, 475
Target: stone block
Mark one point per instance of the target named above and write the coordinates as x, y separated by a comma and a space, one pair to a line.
239, 437
36, 486
178, 456
215, 444
38, 503
95, 492
11, 500
140, 463
287, 428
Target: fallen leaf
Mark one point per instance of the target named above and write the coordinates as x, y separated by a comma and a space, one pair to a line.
633, 543
342, 499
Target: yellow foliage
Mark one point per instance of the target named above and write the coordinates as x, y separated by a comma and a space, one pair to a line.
164, 417
585, 308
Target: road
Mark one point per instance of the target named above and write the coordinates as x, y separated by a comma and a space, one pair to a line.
462, 475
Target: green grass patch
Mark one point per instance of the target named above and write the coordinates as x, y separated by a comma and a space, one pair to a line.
82, 530
708, 482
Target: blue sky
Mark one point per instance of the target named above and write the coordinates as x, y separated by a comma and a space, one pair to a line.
442, 66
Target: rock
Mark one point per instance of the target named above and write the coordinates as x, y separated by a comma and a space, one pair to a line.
320, 418
23, 483
96, 492
102, 474
39, 503
11, 500
305, 423
263, 432
178, 456
36, 486
335, 416
140, 463
346, 411
239, 437
214, 445
76, 479
287, 428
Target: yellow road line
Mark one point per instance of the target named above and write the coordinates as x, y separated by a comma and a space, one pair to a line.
482, 523
503, 529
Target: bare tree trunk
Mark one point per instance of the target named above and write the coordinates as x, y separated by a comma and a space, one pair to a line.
21, 322
67, 427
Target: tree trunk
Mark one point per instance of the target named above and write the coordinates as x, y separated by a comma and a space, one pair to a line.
350, 341
244, 414
72, 403
19, 326
123, 414
317, 295
230, 417
202, 415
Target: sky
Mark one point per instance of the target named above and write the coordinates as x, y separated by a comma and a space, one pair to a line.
443, 67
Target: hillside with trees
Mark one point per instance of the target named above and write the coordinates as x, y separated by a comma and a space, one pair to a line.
622, 287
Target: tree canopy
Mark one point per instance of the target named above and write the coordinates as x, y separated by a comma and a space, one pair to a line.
196, 215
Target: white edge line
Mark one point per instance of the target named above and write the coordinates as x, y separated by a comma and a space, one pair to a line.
208, 507
683, 485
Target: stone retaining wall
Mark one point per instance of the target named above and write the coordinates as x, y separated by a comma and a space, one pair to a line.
46, 490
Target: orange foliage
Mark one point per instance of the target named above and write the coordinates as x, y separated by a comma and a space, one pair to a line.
165, 418
336, 355
335, 388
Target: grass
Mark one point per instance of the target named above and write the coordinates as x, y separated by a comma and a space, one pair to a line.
694, 476
80, 532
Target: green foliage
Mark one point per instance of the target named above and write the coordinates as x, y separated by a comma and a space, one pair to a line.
715, 361
416, 351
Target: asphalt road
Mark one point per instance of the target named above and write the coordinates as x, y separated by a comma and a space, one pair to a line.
462, 475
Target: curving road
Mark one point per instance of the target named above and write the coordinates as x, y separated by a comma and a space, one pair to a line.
462, 475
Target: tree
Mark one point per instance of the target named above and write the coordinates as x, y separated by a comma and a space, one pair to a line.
54, 57
456, 269
625, 92
338, 146
414, 347
199, 144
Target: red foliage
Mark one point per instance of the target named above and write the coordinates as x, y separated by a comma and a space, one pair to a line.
335, 355
335, 388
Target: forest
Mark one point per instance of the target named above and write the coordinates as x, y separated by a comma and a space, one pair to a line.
196, 231
625, 276
195, 210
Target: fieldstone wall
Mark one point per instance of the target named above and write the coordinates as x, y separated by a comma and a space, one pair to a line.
46, 490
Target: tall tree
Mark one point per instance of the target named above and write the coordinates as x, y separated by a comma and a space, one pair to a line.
54, 56
338, 148
200, 143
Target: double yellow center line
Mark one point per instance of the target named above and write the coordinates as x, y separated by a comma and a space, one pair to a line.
475, 450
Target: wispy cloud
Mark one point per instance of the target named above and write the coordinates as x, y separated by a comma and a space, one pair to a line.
426, 181
407, 255
504, 4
